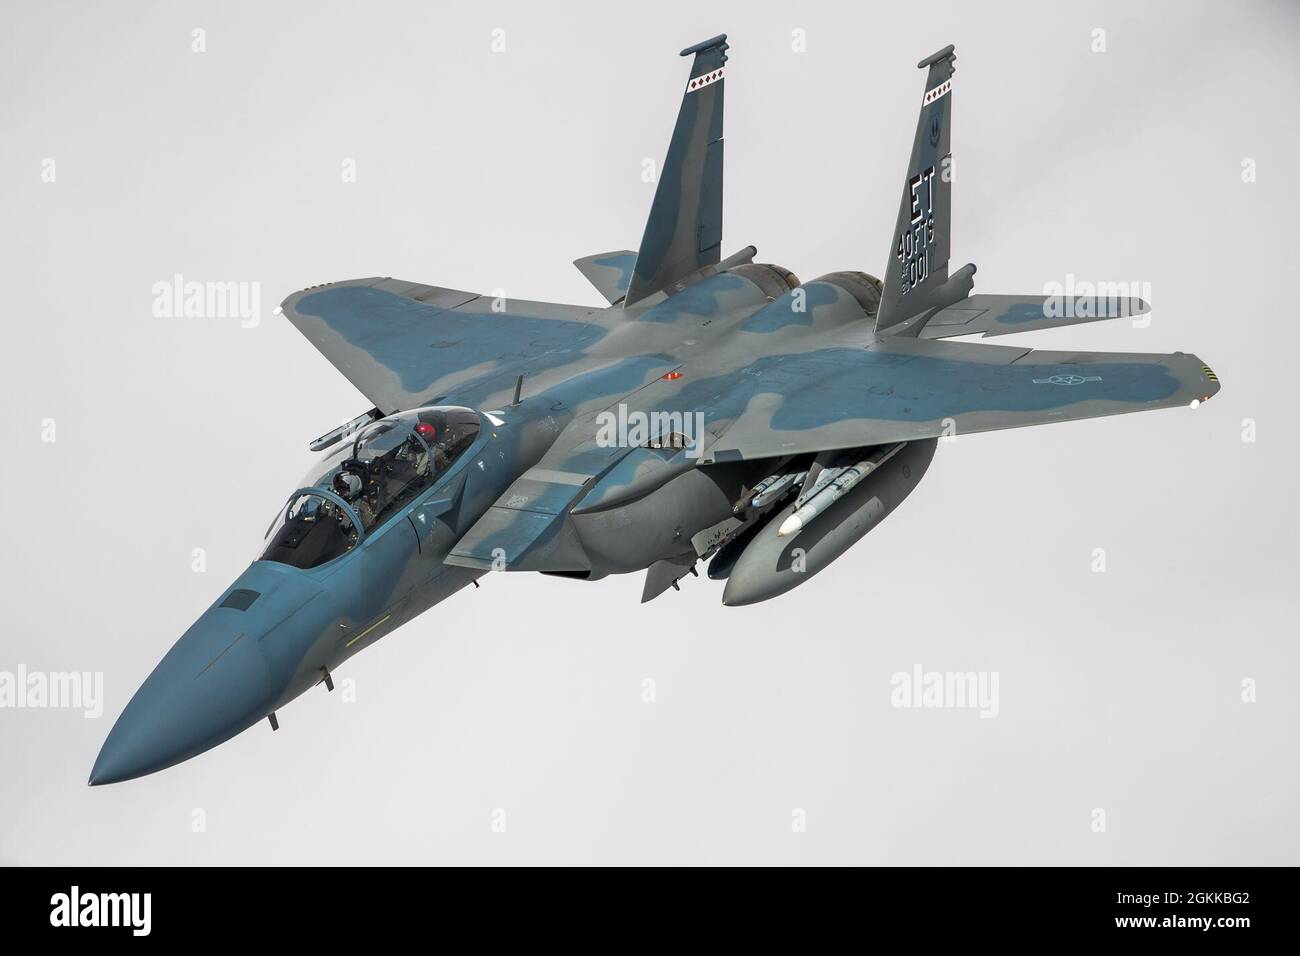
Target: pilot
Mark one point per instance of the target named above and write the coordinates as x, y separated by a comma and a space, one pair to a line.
348, 486
430, 435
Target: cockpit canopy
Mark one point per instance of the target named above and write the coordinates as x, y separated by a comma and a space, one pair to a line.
360, 486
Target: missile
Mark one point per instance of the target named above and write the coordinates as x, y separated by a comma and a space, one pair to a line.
833, 484
773, 487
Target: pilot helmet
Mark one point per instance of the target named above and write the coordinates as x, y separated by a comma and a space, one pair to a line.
347, 485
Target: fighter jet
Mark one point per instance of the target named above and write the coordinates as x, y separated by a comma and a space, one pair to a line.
718, 409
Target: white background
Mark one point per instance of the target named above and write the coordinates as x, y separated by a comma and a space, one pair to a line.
1120, 691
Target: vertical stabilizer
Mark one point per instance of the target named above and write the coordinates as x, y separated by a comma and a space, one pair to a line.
918, 254
684, 231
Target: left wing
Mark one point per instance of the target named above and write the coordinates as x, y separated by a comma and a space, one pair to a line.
901, 389
403, 344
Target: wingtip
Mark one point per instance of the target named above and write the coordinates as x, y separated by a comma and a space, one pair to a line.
1211, 380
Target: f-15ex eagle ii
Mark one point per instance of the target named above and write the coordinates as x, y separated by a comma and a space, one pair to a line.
717, 409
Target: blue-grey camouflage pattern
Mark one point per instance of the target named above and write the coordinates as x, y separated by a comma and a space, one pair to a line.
635, 436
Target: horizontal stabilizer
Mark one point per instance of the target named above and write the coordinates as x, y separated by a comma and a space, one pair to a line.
609, 272
1004, 314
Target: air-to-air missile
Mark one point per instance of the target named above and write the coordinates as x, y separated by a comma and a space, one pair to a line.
831, 485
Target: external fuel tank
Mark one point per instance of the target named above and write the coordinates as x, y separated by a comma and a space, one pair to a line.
772, 564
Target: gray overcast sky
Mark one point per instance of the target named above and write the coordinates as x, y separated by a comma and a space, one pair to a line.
1119, 691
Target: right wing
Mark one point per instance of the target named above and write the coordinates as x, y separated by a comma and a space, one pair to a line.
404, 345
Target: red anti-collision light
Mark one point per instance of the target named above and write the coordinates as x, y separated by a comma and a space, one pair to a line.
426, 431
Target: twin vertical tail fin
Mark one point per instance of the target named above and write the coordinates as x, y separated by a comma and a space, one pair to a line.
684, 231
917, 278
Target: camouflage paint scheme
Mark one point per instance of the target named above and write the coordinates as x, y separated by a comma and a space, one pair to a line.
773, 377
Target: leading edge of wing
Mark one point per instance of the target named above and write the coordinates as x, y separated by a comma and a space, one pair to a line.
402, 344
898, 391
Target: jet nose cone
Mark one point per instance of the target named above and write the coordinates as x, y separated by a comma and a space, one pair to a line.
214, 683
